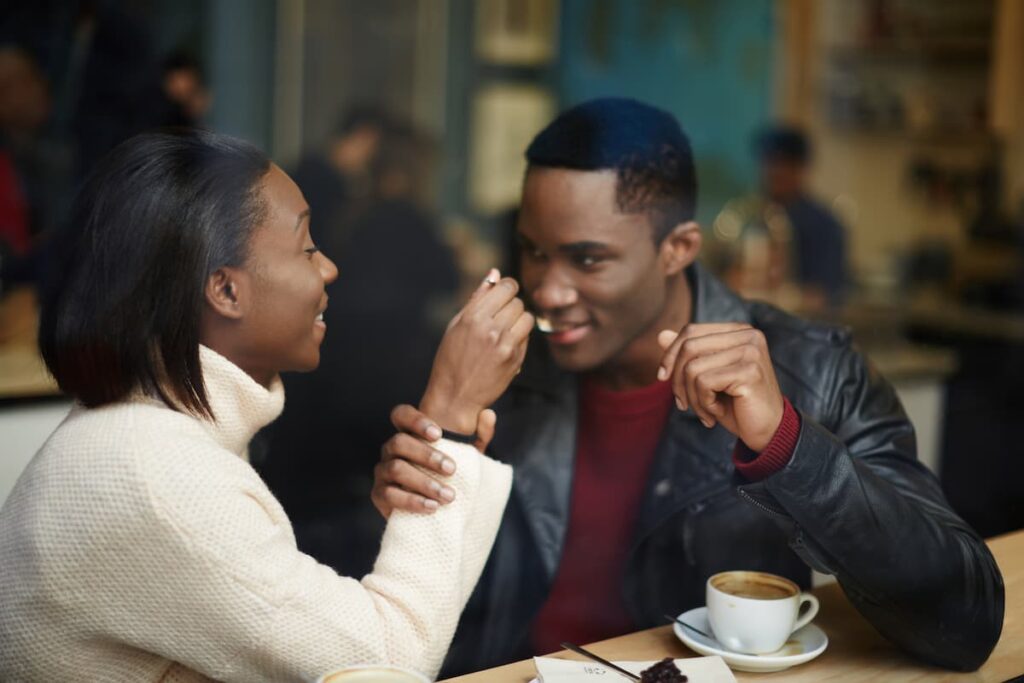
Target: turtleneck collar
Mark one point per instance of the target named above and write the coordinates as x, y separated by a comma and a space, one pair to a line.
241, 406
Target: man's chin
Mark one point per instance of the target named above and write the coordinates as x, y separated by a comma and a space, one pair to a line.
572, 358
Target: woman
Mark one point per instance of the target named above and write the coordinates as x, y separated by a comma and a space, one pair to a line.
139, 544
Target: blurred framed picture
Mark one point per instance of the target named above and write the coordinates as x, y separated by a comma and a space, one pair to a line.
505, 117
517, 32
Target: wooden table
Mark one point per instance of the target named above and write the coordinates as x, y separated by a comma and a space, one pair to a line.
855, 652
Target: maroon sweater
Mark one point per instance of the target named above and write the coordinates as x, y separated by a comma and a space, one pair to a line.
617, 435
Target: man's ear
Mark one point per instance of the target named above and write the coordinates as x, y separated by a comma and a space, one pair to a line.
226, 292
680, 247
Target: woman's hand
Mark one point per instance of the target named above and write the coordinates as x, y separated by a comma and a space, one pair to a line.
479, 355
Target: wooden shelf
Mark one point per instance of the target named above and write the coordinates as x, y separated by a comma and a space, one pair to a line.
966, 56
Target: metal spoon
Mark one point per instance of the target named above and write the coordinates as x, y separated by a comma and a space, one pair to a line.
603, 662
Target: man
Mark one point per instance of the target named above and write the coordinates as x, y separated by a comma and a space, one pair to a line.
819, 240
783, 451
186, 89
334, 178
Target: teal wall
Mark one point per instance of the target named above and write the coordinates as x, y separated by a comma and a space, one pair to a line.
240, 62
709, 62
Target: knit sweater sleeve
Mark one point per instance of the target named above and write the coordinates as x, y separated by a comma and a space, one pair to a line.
257, 609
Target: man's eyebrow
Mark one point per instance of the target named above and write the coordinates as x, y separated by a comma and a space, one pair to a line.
523, 240
298, 220
582, 247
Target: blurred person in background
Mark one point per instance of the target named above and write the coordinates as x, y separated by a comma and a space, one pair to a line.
24, 106
33, 167
399, 282
338, 175
186, 89
819, 253
780, 244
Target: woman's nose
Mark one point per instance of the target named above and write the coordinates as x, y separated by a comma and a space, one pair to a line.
328, 270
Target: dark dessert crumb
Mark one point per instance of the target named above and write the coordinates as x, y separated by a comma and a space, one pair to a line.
664, 671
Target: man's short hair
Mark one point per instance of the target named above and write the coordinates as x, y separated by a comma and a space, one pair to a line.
644, 145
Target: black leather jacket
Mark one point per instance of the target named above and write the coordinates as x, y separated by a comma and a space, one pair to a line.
853, 502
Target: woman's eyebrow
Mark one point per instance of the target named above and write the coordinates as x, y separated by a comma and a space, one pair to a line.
298, 220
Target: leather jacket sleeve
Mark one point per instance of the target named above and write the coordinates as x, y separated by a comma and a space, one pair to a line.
857, 503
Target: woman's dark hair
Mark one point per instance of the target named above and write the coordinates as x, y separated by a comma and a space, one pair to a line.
157, 216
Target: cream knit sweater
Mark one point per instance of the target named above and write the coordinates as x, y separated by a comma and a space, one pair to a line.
140, 545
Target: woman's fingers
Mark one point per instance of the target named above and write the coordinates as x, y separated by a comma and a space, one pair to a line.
509, 313
521, 329
488, 303
491, 279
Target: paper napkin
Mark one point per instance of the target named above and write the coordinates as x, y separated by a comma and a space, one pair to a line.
698, 669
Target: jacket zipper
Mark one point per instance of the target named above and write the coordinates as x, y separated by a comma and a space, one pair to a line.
762, 506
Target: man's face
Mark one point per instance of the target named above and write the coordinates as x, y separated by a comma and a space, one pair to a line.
590, 270
783, 179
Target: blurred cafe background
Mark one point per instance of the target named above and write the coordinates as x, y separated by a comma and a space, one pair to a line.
898, 123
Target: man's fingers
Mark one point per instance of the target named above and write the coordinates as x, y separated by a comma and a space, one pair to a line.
730, 381
694, 330
400, 473
391, 498
405, 447
685, 382
409, 420
686, 348
671, 342
485, 425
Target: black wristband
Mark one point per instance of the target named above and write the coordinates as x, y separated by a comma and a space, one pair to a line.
458, 437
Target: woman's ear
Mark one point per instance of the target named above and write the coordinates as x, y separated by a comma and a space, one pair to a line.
680, 247
225, 293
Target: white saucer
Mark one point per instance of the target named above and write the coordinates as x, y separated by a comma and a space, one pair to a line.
802, 646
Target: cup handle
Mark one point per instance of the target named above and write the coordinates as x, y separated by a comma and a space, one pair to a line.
812, 611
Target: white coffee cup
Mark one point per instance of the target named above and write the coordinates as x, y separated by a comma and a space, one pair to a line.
373, 673
755, 613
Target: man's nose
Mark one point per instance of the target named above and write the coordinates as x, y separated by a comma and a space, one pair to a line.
554, 291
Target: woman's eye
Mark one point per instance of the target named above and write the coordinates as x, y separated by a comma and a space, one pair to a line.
311, 250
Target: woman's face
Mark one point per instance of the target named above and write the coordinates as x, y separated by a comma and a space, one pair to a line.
287, 275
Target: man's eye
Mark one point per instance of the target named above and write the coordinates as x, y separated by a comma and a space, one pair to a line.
533, 252
311, 250
587, 260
